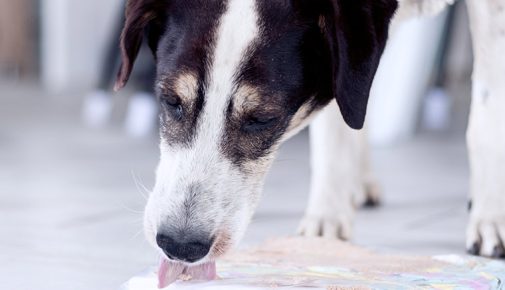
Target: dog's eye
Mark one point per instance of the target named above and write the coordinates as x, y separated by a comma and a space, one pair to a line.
171, 100
258, 123
173, 104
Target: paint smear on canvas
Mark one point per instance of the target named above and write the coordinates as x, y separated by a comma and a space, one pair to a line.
301, 263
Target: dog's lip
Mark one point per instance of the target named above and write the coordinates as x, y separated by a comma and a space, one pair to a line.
169, 271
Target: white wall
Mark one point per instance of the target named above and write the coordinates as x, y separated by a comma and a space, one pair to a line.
74, 37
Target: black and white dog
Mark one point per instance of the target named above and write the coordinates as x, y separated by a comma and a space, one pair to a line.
236, 78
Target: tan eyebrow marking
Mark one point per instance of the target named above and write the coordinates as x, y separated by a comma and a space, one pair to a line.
247, 98
185, 85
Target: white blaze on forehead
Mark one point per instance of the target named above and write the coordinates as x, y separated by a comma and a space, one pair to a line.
202, 161
237, 30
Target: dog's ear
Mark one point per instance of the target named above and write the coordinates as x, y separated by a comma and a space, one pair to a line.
356, 32
142, 17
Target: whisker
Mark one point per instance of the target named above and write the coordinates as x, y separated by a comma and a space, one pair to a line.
137, 234
124, 206
141, 188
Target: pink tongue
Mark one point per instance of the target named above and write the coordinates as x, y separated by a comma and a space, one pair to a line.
169, 272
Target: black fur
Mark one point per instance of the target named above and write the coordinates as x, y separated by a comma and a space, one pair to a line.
184, 47
310, 52
357, 31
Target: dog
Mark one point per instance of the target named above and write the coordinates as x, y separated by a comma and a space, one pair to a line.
235, 79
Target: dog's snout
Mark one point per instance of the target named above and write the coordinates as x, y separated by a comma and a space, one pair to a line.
185, 250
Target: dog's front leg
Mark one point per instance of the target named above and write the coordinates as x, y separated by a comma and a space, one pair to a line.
486, 132
339, 167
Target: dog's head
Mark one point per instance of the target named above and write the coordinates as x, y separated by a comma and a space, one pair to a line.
234, 79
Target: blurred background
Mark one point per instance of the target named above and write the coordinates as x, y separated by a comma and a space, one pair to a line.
77, 161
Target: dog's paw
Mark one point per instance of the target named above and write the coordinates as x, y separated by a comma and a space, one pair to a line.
373, 194
486, 235
336, 227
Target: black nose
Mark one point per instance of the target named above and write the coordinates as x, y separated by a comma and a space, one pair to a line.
183, 249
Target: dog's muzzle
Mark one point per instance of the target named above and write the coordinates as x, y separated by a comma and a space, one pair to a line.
184, 248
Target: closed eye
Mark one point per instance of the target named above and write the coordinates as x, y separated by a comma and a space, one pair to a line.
259, 123
173, 104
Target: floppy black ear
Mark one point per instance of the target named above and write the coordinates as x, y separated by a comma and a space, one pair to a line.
142, 17
356, 31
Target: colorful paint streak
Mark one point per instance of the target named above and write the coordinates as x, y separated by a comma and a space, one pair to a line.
468, 273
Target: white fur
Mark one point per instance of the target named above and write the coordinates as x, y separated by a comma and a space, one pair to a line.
223, 204
486, 131
413, 8
237, 30
338, 176
336, 150
341, 175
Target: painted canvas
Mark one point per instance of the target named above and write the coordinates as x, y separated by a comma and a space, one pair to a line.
301, 263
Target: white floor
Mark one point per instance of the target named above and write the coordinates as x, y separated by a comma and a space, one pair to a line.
71, 198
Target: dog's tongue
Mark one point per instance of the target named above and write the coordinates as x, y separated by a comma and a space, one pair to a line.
169, 272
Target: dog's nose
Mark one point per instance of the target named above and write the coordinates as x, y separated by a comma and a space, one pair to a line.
185, 250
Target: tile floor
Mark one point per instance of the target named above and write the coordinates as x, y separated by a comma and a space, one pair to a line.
71, 197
